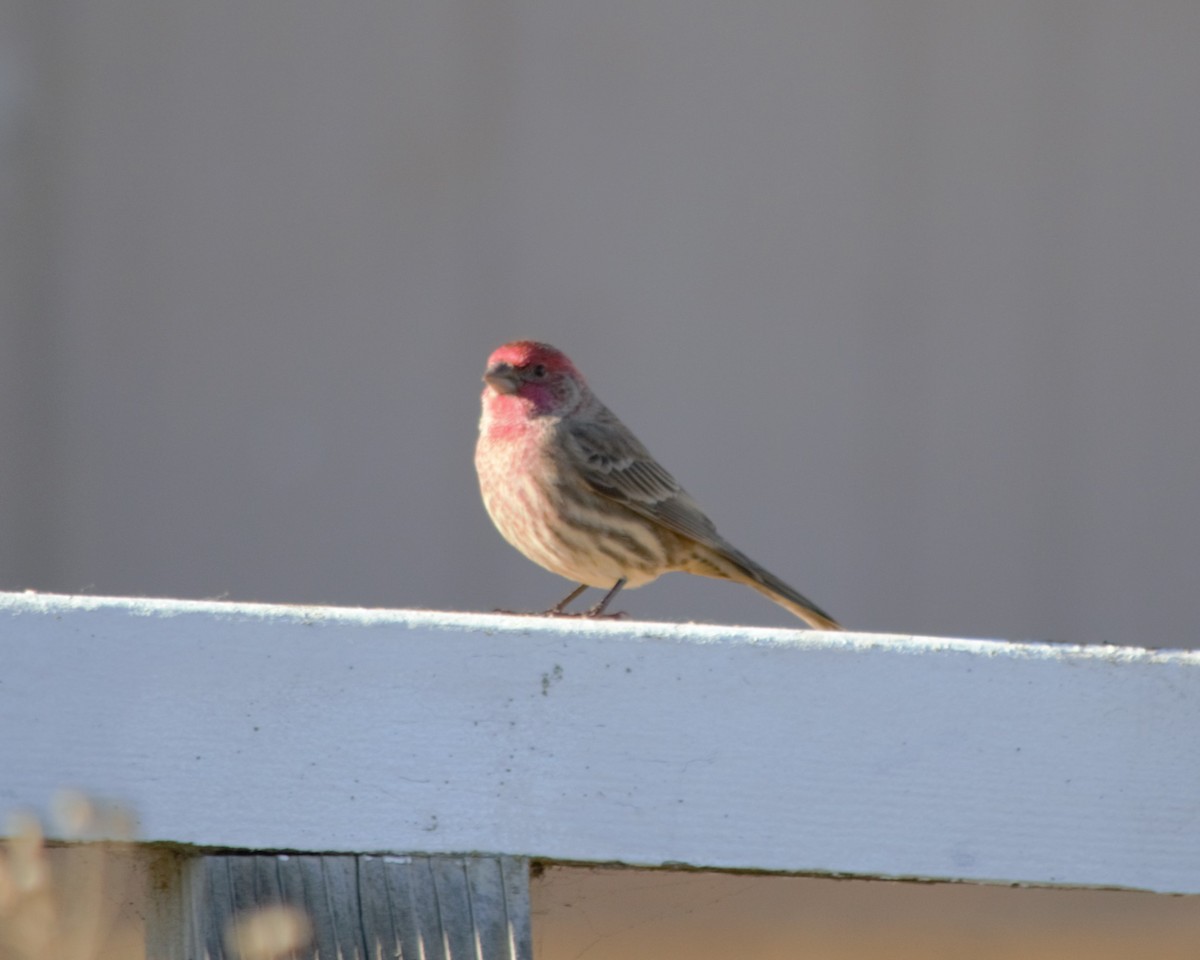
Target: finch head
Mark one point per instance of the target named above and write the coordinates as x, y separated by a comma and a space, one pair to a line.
530, 379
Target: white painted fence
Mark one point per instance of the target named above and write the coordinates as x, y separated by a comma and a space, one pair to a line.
341, 731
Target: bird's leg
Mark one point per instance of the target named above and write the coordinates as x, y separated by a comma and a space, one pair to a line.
598, 609
592, 613
559, 609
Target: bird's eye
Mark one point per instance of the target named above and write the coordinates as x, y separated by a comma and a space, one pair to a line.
539, 371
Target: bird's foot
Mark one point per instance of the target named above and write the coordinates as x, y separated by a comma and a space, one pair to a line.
591, 614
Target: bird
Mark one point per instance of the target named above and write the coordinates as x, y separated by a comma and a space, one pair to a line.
571, 487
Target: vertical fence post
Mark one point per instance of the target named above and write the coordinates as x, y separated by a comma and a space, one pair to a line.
366, 907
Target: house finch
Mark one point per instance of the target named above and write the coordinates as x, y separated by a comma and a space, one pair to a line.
568, 485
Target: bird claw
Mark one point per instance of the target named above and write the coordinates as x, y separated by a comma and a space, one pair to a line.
595, 614
564, 614
584, 615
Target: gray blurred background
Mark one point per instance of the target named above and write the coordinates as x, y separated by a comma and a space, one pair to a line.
907, 293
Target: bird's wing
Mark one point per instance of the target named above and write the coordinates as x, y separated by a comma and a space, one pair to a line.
613, 462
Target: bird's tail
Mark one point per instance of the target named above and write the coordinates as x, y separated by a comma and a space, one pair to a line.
731, 564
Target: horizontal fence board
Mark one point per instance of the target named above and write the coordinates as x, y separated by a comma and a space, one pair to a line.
335, 730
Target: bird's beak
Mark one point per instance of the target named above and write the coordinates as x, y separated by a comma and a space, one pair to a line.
502, 378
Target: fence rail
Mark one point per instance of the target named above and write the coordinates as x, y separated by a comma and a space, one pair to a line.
337, 731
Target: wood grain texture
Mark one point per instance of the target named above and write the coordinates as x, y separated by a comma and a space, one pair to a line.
332, 730
367, 907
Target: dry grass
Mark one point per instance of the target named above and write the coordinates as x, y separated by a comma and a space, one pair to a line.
269, 933
65, 915
85, 900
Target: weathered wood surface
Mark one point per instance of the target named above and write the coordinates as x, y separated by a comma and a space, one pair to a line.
334, 730
367, 907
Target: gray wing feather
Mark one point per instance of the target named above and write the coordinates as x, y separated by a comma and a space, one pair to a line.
613, 462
